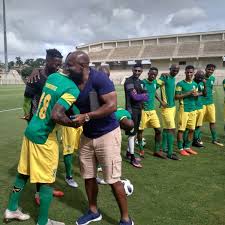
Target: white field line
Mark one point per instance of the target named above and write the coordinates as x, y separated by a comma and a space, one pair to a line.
7, 110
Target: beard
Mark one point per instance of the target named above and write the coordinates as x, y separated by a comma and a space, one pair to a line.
77, 78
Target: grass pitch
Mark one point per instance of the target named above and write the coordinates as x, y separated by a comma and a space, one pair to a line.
187, 192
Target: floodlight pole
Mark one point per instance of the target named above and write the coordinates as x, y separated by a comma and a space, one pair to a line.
5, 39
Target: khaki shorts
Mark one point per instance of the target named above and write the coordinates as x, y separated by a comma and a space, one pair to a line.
199, 117
105, 151
186, 119
39, 161
149, 119
209, 112
71, 139
168, 118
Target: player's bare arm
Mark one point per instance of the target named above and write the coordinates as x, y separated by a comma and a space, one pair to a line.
181, 96
59, 116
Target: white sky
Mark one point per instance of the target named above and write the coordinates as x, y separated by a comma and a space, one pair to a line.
33, 26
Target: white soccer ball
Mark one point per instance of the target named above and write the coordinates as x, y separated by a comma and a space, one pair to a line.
143, 142
128, 187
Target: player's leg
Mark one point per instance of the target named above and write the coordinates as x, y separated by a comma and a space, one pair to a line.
13, 211
144, 119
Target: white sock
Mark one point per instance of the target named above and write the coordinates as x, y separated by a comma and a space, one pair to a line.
131, 144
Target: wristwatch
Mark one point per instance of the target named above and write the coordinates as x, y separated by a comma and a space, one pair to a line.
86, 118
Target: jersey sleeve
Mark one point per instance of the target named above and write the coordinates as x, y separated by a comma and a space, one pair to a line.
178, 89
122, 114
68, 98
160, 81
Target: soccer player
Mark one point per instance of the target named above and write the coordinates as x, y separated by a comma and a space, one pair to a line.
186, 93
135, 95
167, 86
209, 110
39, 153
149, 117
202, 91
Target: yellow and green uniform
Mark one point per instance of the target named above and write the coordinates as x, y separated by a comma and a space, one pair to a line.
209, 107
187, 108
149, 118
199, 106
121, 113
39, 154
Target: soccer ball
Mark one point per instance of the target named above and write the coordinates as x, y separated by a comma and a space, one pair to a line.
128, 187
143, 142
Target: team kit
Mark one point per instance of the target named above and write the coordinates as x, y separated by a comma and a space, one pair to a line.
68, 100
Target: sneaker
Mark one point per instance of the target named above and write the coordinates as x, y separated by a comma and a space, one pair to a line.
88, 218
37, 198
128, 155
200, 141
99, 169
173, 157
53, 222
216, 142
71, 182
58, 193
160, 154
142, 153
184, 153
191, 151
136, 163
197, 144
15, 215
123, 222
100, 181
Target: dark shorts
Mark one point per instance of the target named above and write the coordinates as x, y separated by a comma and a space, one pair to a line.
136, 117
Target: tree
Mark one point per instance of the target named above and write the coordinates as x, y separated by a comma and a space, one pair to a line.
39, 62
19, 62
26, 71
29, 62
11, 64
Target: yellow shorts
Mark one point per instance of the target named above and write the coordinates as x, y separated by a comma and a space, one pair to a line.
149, 119
199, 117
70, 139
209, 113
168, 118
186, 119
39, 161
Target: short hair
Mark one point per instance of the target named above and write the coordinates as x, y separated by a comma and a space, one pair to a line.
53, 53
138, 65
210, 66
154, 68
189, 67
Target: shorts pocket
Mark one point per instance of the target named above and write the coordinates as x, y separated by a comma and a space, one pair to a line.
116, 168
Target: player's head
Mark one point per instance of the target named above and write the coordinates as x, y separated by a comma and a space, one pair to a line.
199, 76
174, 70
53, 60
189, 72
137, 70
152, 74
105, 69
209, 70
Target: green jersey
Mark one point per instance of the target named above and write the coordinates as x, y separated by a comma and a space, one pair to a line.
58, 89
167, 84
189, 102
150, 87
208, 99
121, 113
199, 101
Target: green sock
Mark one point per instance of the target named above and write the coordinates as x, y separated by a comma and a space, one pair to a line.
19, 184
68, 164
140, 145
185, 135
214, 134
187, 144
180, 144
164, 140
200, 134
46, 195
170, 141
196, 133
157, 146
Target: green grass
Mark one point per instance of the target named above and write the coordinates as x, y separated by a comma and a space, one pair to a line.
190, 191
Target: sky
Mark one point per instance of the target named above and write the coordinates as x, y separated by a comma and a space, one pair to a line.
34, 26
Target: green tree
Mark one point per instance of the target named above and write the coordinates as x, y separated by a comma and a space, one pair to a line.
26, 71
29, 62
19, 62
11, 64
39, 62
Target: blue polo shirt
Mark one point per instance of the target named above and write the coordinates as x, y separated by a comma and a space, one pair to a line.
100, 83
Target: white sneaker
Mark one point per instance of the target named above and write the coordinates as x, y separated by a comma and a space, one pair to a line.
53, 222
100, 181
99, 169
15, 215
71, 182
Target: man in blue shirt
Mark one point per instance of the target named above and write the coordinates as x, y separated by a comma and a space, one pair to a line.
101, 138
